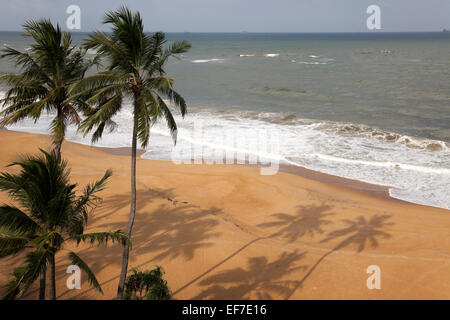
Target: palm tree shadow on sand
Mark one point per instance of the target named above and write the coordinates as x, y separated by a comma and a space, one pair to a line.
168, 231
358, 232
99, 259
308, 220
117, 202
261, 277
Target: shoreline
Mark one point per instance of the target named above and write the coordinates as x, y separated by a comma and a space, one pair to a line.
374, 190
227, 232
120, 151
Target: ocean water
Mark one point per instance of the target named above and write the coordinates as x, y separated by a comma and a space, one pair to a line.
372, 107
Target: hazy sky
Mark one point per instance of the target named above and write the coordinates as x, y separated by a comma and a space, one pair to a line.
241, 15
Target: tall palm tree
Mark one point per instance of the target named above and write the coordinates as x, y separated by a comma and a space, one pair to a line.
135, 71
49, 215
48, 68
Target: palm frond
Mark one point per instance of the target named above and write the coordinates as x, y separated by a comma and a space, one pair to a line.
161, 110
139, 61
25, 275
87, 201
14, 115
142, 115
102, 115
58, 127
176, 48
52, 239
167, 114
47, 70
97, 81
12, 243
103, 238
76, 260
15, 220
25, 61
109, 48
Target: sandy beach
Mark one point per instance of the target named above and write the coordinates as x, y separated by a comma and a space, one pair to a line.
226, 232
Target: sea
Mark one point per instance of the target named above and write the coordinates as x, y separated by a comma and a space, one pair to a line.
374, 107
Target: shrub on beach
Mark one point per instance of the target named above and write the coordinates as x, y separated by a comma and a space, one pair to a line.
147, 284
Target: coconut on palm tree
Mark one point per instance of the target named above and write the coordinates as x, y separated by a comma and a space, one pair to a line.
136, 72
47, 69
49, 214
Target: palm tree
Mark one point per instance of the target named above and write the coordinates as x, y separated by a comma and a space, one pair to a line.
135, 71
48, 68
49, 215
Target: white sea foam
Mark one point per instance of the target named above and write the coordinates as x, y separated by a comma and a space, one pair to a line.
412, 169
271, 55
246, 55
207, 60
310, 63
420, 175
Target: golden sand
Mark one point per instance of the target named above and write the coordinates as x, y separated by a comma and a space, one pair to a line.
226, 232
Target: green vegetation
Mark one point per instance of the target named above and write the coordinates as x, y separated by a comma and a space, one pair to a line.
49, 214
146, 284
53, 79
51, 65
135, 70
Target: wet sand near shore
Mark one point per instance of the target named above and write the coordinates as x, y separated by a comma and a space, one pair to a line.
227, 232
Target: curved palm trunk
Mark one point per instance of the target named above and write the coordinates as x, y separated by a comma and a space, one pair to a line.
58, 146
52, 289
42, 280
58, 143
126, 249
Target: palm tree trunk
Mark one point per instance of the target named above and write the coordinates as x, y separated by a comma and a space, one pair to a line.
126, 249
42, 280
58, 141
58, 146
52, 288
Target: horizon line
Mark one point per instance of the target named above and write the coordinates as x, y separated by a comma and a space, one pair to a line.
267, 32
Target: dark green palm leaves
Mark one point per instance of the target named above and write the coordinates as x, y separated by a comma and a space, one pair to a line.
135, 71
48, 214
147, 284
47, 69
